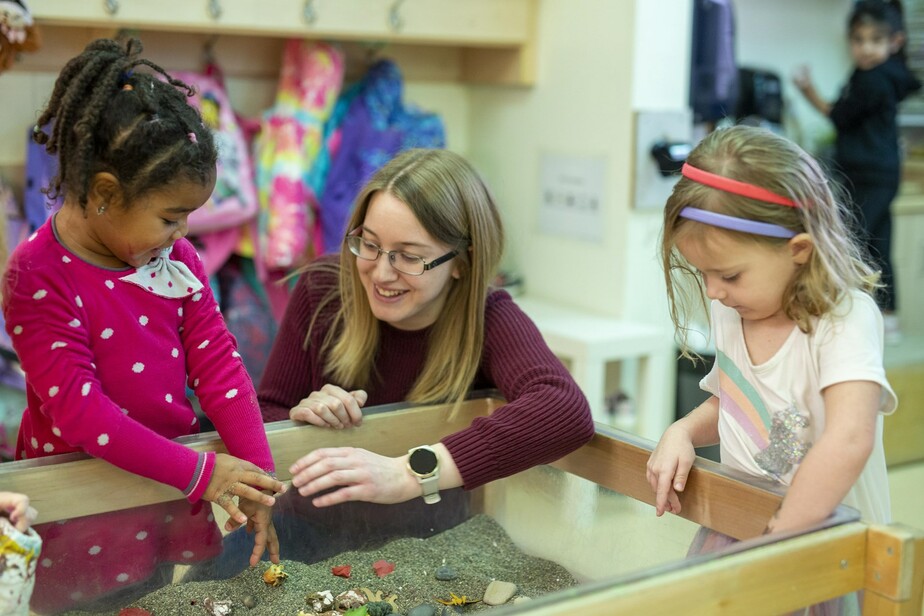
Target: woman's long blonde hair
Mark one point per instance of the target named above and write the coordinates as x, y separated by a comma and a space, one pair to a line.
759, 157
451, 202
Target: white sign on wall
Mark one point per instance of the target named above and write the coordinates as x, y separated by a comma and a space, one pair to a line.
571, 196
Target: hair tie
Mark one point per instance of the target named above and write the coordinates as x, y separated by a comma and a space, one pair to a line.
734, 186
123, 80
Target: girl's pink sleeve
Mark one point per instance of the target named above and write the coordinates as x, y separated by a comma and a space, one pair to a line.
217, 374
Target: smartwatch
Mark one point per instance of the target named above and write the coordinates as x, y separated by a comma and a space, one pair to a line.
425, 465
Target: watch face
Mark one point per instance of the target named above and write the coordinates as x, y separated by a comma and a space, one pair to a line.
422, 461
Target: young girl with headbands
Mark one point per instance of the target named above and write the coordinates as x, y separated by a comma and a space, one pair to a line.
798, 389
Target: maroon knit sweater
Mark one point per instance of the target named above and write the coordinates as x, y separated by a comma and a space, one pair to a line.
546, 417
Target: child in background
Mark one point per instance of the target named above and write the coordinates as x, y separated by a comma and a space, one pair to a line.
867, 150
798, 387
20, 546
111, 315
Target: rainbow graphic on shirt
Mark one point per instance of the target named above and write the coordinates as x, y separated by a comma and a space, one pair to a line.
742, 402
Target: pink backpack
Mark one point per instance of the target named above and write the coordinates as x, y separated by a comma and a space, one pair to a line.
234, 200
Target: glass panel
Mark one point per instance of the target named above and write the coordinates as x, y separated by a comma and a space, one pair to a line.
542, 531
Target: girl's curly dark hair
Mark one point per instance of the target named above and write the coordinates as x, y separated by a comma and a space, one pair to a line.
108, 117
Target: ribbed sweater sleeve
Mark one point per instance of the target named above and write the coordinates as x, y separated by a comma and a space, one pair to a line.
546, 416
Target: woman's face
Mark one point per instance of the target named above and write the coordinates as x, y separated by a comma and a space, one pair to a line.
403, 301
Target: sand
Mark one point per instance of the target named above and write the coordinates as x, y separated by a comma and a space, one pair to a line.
479, 550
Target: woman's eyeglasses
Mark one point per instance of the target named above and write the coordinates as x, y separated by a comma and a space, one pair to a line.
404, 262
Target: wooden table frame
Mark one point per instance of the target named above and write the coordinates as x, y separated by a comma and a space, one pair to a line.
761, 575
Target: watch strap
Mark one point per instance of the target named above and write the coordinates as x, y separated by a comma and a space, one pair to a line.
431, 489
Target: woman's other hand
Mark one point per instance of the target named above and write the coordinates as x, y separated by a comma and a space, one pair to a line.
359, 475
331, 407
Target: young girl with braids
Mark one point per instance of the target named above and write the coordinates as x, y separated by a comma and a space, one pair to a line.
111, 314
798, 389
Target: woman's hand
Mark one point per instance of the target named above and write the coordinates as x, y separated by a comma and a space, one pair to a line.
361, 475
15, 506
331, 407
260, 524
235, 477
668, 468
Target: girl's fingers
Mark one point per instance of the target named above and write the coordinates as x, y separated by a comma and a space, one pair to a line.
256, 496
237, 517
259, 479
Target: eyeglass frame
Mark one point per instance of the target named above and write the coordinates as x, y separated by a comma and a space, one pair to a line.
427, 265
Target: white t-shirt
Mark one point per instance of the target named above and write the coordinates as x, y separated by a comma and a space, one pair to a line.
771, 414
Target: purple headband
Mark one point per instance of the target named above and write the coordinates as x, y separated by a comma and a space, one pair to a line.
736, 224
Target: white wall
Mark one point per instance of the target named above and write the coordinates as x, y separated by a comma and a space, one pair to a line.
661, 77
580, 106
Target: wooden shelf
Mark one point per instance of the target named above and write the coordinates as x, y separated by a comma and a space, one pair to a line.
479, 41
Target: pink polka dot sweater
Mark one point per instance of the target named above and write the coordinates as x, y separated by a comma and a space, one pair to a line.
108, 355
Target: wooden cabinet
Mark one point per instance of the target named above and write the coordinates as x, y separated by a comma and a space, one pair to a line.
493, 38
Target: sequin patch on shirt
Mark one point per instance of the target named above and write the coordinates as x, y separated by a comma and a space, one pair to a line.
786, 449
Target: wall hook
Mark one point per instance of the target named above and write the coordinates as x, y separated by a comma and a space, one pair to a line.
214, 9
395, 21
309, 12
112, 6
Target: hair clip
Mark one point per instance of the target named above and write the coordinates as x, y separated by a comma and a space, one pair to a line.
128, 87
192, 138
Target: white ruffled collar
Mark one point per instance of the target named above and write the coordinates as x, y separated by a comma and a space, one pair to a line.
165, 277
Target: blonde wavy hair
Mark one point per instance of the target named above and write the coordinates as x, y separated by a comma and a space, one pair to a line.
450, 200
757, 156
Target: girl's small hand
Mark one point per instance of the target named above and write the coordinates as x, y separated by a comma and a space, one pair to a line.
16, 507
802, 77
668, 468
361, 475
260, 524
331, 407
235, 477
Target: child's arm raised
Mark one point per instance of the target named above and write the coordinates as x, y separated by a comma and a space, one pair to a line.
803, 80
670, 462
833, 464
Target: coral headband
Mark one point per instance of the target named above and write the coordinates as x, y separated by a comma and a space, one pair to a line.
734, 186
